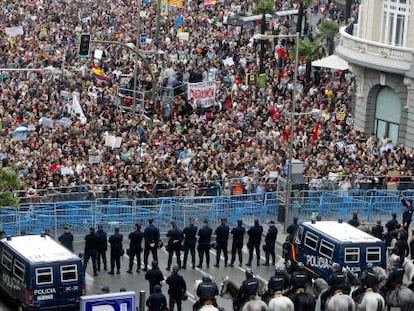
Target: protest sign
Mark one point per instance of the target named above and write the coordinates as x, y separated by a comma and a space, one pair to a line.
76, 107
202, 90
98, 54
14, 31
228, 61
95, 159
46, 122
113, 141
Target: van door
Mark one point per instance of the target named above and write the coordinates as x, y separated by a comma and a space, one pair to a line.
69, 282
44, 289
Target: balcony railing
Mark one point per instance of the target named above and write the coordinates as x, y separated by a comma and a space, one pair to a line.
373, 54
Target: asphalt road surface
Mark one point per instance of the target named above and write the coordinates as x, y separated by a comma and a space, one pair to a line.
137, 282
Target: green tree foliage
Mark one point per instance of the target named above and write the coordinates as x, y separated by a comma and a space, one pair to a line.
9, 181
308, 52
327, 31
263, 7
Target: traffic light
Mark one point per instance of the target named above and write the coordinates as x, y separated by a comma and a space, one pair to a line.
84, 45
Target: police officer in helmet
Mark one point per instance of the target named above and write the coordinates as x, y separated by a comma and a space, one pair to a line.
247, 290
395, 277
368, 279
298, 280
279, 281
207, 292
337, 281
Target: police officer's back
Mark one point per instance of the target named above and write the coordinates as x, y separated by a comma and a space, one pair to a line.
368, 280
395, 276
154, 276
237, 244
207, 290
255, 236
157, 300
102, 247
299, 279
66, 239
175, 236
91, 247
190, 240
247, 290
135, 247
222, 238
337, 280
279, 281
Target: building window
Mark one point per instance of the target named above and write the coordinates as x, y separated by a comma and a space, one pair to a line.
395, 21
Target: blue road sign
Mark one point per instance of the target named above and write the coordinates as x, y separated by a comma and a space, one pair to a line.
124, 301
143, 38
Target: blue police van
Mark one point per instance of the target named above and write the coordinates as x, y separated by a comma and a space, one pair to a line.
319, 244
37, 273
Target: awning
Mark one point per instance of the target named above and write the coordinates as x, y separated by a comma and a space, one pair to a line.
332, 62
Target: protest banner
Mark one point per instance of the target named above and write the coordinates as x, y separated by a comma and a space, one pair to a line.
14, 31
113, 141
176, 3
202, 90
76, 107
164, 7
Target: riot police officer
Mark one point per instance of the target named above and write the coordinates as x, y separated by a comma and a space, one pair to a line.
247, 290
157, 300
66, 239
152, 238
116, 250
368, 279
102, 247
255, 237
395, 277
222, 238
298, 280
190, 239
154, 276
175, 236
337, 281
204, 240
91, 246
237, 244
177, 288
279, 281
207, 290
135, 247
270, 241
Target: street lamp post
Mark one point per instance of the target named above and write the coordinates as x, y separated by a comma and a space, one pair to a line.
291, 129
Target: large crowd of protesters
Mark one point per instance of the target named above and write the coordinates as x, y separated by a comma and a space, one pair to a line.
243, 136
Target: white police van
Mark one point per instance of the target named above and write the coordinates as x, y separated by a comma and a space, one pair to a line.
319, 244
38, 273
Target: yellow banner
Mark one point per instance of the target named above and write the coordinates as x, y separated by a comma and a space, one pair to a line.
210, 2
176, 3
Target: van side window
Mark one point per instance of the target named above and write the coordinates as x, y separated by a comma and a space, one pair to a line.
373, 254
299, 235
311, 240
6, 260
18, 270
69, 273
44, 276
352, 254
326, 249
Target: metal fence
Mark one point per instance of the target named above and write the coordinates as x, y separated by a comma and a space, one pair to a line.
371, 205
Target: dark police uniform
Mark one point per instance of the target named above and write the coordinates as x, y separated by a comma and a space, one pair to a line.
394, 279
91, 248
298, 280
368, 279
408, 213
337, 281
237, 244
270, 241
207, 290
204, 239
175, 236
135, 248
66, 239
248, 288
222, 239
116, 250
154, 276
190, 239
152, 237
157, 301
177, 288
255, 237
102, 247
278, 282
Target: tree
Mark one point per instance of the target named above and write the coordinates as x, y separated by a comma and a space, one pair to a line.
9, 181
327, 31
263, 7
308, 51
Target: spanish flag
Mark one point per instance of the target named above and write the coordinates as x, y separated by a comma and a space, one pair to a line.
99, 73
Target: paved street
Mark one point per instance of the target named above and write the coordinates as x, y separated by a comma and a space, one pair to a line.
137, 282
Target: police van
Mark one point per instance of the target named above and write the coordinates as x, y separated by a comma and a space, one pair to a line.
319, 244
38, 273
